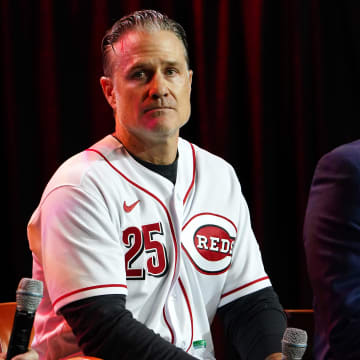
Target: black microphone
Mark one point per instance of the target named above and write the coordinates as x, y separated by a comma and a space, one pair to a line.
294, 343
28, 297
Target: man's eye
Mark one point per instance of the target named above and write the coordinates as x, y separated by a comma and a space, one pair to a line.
138, 75
171, 71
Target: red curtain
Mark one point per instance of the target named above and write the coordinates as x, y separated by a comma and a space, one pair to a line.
275, 86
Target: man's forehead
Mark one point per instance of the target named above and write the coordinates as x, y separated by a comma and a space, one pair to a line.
133, 37
143, 46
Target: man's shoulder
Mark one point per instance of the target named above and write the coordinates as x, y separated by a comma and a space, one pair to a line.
349, 150
74, 170
344, 157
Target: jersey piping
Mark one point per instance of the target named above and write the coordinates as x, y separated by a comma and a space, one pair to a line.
86, 289
169, 327
191, 316
244, 286
193, 177
169, 219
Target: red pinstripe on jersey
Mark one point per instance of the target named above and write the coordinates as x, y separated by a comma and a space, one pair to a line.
191, 316
168, 325
193, 176
87, 288
244, 286
165, 209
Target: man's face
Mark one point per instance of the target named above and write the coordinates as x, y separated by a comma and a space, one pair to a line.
150, 85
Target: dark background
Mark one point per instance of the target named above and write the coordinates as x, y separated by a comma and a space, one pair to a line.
276, 85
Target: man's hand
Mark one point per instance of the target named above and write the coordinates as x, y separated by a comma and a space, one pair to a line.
29, 355
274, 356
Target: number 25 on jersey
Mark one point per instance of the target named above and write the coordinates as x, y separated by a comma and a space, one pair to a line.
140, 240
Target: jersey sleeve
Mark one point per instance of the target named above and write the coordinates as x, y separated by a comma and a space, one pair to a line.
79, 247
246, 274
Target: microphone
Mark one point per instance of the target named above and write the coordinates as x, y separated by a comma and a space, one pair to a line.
294, 343
28, 297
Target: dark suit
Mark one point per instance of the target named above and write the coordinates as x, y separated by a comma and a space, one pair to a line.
332, 246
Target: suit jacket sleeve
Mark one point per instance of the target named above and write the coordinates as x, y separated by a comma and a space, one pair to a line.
332, 245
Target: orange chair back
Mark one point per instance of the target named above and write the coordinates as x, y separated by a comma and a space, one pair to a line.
303, 319
7, 313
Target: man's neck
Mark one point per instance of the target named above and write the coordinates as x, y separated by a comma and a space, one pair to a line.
157, 152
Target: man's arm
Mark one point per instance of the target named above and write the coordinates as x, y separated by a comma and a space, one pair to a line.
106, 329
255, 324
332, 245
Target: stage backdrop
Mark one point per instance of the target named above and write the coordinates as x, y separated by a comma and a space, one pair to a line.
275, 86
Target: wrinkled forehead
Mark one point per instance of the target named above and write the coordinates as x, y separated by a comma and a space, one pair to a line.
147, 46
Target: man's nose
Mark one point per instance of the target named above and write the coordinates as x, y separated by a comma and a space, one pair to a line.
158, 86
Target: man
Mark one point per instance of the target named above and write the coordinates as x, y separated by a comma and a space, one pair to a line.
332, 245
142, 238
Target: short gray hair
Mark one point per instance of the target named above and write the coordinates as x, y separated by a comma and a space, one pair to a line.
146, 20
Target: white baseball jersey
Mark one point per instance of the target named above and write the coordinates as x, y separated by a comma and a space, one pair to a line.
108, 225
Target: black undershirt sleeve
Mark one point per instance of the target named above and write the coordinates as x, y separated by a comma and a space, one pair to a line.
105, 329
254, 324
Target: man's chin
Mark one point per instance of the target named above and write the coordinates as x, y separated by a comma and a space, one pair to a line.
162, 124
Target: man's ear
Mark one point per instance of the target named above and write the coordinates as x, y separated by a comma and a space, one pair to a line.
190, 78
108, 90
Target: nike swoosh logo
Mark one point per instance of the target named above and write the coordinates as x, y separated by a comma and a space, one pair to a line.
129, 208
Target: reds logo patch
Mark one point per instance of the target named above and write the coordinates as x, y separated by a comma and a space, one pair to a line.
213, 242
208, 241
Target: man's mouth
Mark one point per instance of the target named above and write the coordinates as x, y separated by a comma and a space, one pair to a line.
158, 108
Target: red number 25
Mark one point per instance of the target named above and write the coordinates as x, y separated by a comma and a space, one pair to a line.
142, 240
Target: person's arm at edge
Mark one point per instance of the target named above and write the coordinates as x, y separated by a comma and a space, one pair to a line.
331, 233
253, 319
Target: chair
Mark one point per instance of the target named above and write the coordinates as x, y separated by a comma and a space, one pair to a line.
7, 313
